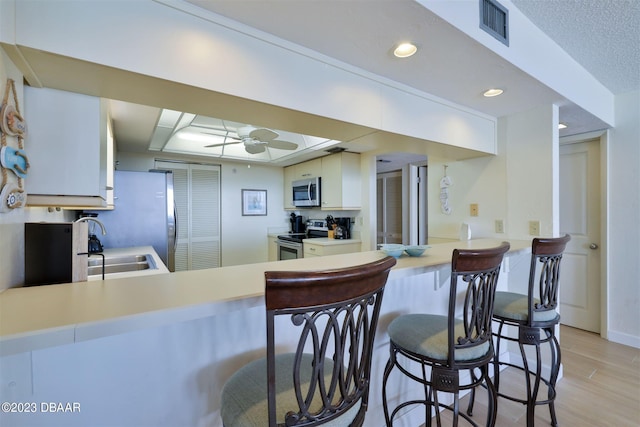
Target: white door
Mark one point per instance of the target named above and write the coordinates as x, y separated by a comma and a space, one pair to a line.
580, 217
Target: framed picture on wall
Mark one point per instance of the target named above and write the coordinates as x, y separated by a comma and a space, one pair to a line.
254, 202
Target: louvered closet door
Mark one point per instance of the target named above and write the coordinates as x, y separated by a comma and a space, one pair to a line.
197, 197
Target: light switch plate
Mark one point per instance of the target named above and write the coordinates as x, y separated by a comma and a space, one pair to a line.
474, 209
534, 228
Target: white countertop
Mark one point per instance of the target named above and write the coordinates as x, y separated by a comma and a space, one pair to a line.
135, 250
45, 316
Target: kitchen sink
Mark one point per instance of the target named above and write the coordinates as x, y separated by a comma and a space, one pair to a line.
120, 264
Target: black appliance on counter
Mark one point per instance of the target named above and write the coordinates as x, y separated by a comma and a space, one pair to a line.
297, 224
55, 253
343, 228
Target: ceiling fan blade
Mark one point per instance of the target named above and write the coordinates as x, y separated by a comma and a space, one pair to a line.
263, 134
228, 138
282, 145
223, 144
254, 148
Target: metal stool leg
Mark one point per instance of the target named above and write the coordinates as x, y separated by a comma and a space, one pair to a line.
387, 370
555, 370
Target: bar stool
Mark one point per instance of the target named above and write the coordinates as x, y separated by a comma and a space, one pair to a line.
533, 314
334, 314
444, 345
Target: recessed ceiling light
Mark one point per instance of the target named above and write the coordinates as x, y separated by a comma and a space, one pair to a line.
405, 50
562, 126
492, 92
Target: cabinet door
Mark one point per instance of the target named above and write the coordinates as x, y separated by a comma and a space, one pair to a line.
341, 181
287, 195
109, 162
67, 147
309, 169
311, 250
273, 248
331, 184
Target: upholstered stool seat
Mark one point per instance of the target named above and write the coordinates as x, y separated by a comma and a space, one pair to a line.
244, 402
514, 306
427, 335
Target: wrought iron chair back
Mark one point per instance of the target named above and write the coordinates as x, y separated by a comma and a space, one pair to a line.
546, 256
479, 271
336, 313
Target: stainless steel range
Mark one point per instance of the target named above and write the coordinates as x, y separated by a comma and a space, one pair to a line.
290, 245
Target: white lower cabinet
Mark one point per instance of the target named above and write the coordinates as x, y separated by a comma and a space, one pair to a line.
313, 249
273, 248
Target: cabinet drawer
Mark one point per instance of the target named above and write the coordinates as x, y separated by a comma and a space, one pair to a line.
323, 250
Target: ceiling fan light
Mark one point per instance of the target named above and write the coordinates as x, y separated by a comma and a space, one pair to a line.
405, 50
492, 92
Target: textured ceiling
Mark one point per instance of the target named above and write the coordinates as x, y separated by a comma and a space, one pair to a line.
602, 35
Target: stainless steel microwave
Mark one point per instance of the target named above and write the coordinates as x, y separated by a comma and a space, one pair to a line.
306, 192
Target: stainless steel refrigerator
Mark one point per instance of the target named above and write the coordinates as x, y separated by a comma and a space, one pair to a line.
144, 214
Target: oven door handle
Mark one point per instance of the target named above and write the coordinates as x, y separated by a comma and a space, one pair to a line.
290, 245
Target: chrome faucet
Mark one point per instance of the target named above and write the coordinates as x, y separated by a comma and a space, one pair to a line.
89, 218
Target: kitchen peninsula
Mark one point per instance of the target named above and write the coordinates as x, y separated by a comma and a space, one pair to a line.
183, 333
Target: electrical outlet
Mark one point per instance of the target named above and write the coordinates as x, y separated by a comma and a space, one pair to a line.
499, 226
534, 228
474, 209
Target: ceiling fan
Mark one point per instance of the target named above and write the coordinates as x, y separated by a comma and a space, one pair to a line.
256, 140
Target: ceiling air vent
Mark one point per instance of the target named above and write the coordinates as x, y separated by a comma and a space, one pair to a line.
335, 150
494, 19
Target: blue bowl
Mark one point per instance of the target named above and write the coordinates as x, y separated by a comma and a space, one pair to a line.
392, 249
416, 250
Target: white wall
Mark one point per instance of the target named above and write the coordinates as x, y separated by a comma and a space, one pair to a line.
481, 181
623, 212
516, 186
532, 175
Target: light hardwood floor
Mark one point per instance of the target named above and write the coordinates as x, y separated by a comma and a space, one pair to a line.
600, 387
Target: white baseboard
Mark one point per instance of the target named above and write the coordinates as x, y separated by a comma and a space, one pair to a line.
623, 338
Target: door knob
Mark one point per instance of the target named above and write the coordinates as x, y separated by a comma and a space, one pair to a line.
593, 246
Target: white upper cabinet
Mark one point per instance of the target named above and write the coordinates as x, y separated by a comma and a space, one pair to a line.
287, 191
70, 149
341, 181
309, 169
340, 185
304, 170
